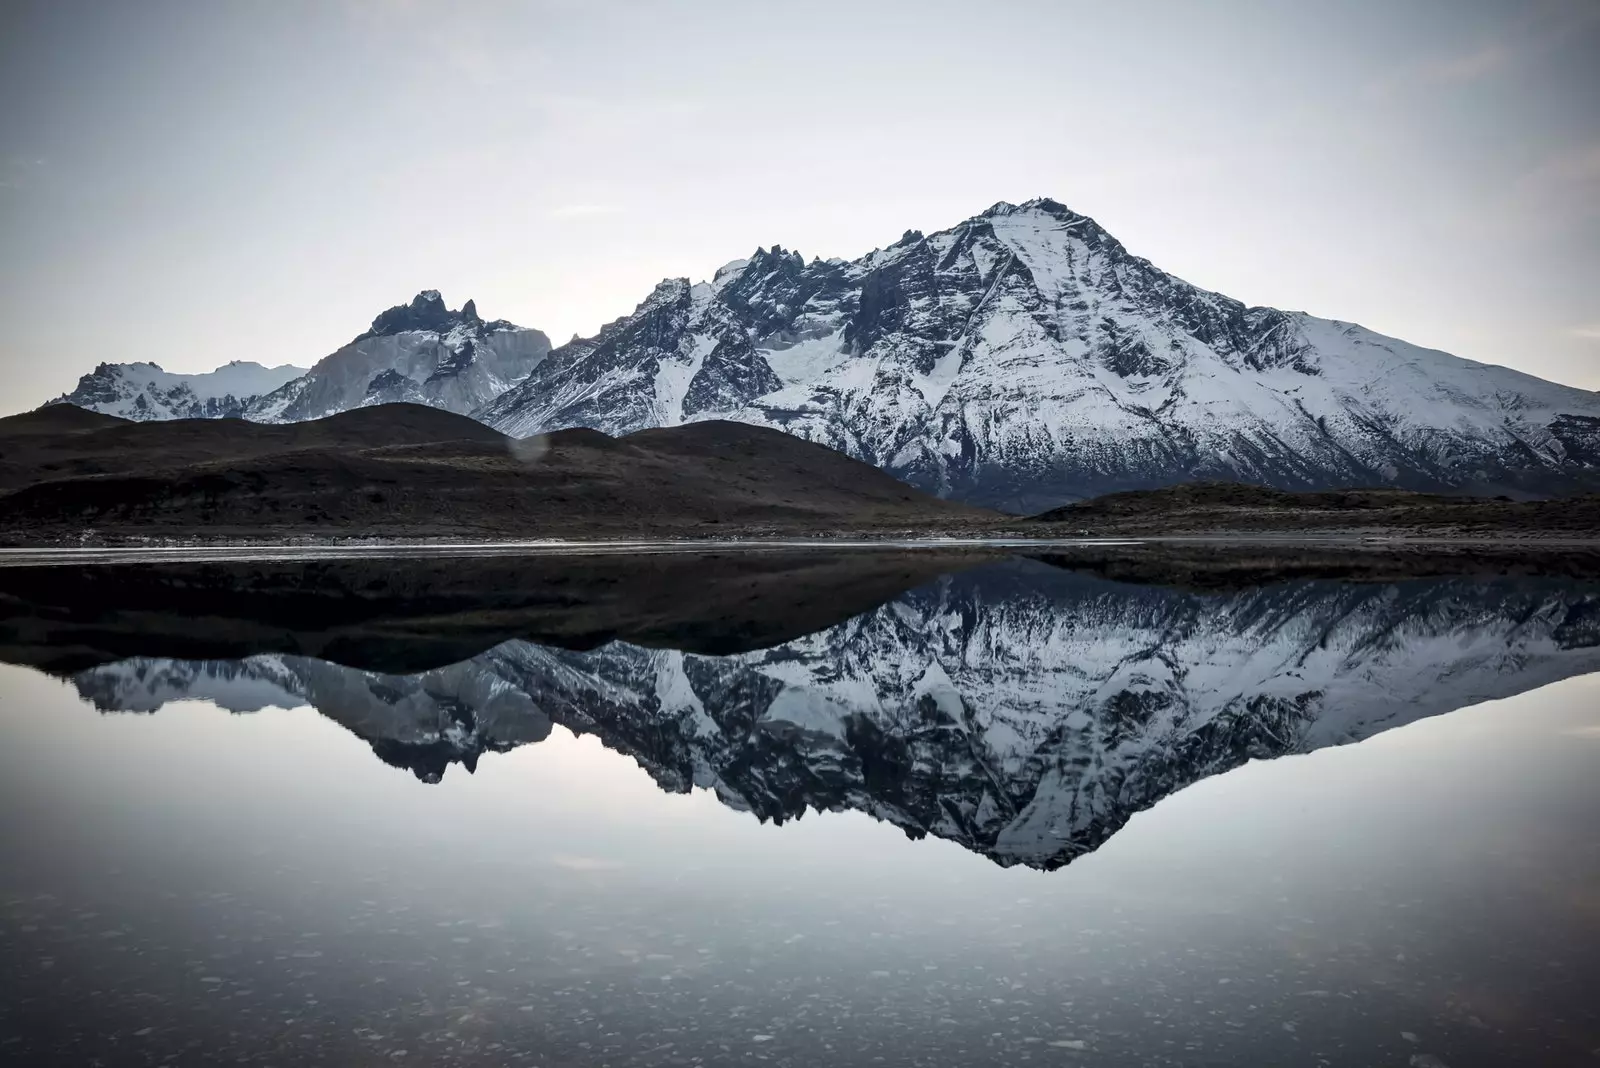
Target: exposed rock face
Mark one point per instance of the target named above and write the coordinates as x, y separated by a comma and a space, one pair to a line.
1020, 710
1024, 358
421, 352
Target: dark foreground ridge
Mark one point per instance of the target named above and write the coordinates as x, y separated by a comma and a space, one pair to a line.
1213, 507
404, 470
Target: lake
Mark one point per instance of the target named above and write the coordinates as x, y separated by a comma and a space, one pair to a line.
870, 808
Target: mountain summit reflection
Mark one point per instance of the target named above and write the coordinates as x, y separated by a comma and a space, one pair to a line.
1023, 710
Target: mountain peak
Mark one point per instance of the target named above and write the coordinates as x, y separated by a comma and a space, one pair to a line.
729, 272
667, 291
426, 311
1048, 206
776, 258
1041, 205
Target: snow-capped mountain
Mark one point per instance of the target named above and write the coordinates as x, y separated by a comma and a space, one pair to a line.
1022, 711
1024, 358
143, 391
420, 352
1021, 359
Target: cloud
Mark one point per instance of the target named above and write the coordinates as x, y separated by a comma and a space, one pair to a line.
1444, 71
473, 41
1564, 188
1575, 167
601, 117
582, 211
1465, 68
581, 863
1590, 332
1556, 198
20, 172
1536, 29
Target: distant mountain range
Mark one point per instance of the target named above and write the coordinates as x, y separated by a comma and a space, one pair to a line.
144, 391
1020, 359
1021, 710
421, 352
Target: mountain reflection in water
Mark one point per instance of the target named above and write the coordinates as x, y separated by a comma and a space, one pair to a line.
194, 887
1023, 710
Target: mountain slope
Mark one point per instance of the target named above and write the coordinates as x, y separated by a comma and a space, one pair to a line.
402, 470
421, 353
1022, 711
1024, 358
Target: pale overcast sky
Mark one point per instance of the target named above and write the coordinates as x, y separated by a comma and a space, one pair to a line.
196, 182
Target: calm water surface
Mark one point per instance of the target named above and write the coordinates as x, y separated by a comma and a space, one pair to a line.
1064, 820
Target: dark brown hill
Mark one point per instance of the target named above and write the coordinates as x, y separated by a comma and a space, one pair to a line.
62, 440
409, 471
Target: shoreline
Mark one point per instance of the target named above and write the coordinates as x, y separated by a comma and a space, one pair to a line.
211, 550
